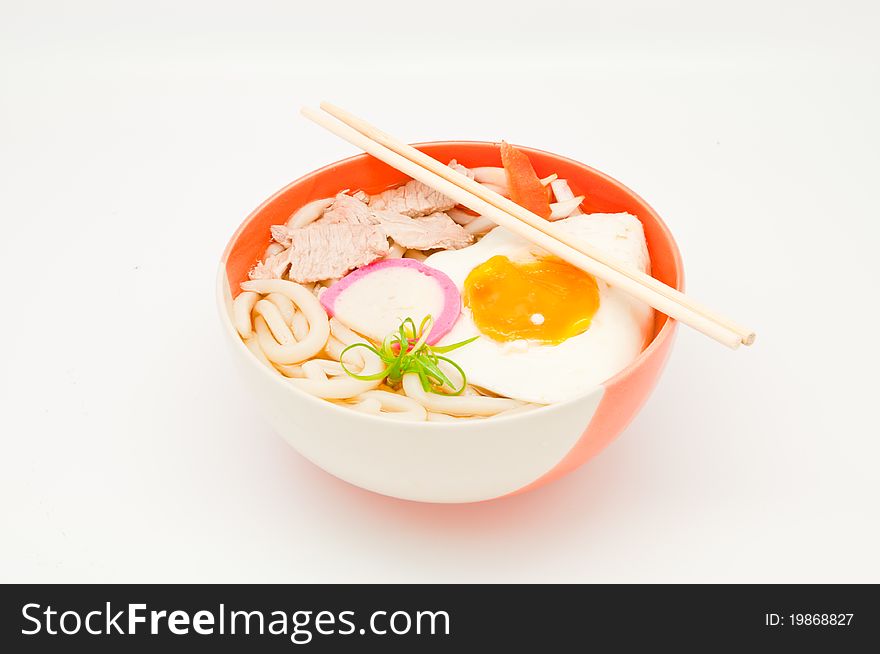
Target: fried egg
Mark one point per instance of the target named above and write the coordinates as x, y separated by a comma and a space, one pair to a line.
546, 330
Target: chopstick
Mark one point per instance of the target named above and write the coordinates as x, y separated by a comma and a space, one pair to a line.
747, 336
528, 225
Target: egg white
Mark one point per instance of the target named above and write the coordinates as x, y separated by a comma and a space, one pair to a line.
541, 373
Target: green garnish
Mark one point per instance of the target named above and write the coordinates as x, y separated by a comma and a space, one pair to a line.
406, 351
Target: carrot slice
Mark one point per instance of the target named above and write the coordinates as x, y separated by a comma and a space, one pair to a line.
523, 183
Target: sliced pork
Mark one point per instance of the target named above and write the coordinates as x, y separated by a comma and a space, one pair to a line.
354, 231
281, 234
412, 199
274, 267
346, 209
464, 170
324, 251
436, 230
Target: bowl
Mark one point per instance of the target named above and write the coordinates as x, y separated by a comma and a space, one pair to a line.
468, 460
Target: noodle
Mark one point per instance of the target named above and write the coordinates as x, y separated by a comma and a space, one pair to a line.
269, 312
368, 405
334, 347
292, 370
288, 326
289, 353
433, 416
314, 371
461, 217
490, 174
479, 226
241, 313
254, 347
522, 408
395, 251
309, 213
500, 190
344, 335
299, 325
319, 327
395, 406
341, 388
285, 306
331, 368
455, 405
418, 255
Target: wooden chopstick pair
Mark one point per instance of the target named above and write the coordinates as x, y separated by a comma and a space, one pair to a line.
530, 226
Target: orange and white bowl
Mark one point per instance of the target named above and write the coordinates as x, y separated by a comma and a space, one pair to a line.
465, 460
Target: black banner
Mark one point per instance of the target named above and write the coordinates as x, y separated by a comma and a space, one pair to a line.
252, 618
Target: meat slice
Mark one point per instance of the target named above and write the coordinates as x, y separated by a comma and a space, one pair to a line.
274, 267
321, 252
282, 234
412, 199
436, 230
464, 170
346, 210
352, 233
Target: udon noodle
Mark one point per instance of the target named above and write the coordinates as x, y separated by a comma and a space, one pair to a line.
287, 329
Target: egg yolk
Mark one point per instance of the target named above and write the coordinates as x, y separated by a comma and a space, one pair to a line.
545, 300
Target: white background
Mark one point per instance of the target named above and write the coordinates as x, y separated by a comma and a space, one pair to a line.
135, 137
